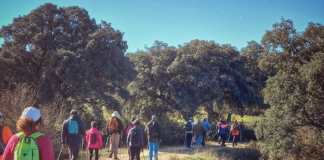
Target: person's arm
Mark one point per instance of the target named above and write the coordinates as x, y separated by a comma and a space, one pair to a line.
120, 125
142, 143
6, 134
87, 137
100, 140
45, 149
159, 130
82, 127
63, 133
208, 126
128, 136
145, 130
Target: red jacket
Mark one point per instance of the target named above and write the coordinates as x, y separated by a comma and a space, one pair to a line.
98, 143
44, 146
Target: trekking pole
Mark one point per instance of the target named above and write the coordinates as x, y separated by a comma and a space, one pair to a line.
81, 148
106, 145
60, 153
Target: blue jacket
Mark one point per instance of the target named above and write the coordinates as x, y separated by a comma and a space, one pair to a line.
66, 138
206, 124
140, 142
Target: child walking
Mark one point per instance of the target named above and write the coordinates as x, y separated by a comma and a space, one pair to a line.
94, 140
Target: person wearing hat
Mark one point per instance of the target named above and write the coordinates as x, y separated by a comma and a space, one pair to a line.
5, 135
72, 130
153, 132
188, 128
28, 124
207, 127
114, 130
235, 131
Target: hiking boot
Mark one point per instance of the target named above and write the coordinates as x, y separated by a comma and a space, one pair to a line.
233, 144
110, 155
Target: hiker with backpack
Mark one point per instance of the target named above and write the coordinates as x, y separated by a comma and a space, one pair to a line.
94, 140
72, 130
114, 129
130, 126
5, 135
198, 131
207, 127
29, 143
223, 133
135, 141
188, 127
235, 131
217, 129
153, 131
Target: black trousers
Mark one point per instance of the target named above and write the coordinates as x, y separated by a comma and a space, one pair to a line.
74, 151
204, 140
235, 139
96, 153
134, 152
189, 139
223, 140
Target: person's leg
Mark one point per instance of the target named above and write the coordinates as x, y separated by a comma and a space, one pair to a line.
116, 145
131, 153
189, 137
112, 144
155, 148
70, 151
150, 150
203, 140
97, 154
74, 151
223, 140
138, 153
219, 139
90, 153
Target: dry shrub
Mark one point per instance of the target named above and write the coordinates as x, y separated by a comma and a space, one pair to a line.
13, 102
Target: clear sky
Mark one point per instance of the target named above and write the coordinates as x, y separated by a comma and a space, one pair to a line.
179, 21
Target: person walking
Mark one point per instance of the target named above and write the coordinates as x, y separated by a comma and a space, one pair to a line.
130, 126
135, 141
198, 131
223, 133
5, 135
188, 127
153, 132
41, 145
235, 131
94, 140
217, 129
207, 127
114, 129
73, 130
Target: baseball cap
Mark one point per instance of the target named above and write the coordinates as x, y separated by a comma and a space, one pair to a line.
31, 113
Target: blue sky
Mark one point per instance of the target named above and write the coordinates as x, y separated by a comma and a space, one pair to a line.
179, 21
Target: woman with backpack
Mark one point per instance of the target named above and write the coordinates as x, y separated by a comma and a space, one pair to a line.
135, 141
130, 126
94, 140
235, 131
39, 145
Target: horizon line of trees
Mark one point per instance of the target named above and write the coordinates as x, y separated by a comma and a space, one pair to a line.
61, 51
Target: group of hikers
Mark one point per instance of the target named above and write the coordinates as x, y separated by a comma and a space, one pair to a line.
30, 143
201, 128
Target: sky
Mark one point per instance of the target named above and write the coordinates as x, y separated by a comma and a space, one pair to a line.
177, 22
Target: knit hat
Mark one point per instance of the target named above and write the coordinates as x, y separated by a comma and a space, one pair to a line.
115, 114
31, 113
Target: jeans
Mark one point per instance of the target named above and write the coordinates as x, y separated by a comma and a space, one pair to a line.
189, 138
153, 147
74, 151
96, 153
134, 152
198, 140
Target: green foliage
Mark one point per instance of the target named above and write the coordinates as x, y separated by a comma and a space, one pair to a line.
295, 93
61, 50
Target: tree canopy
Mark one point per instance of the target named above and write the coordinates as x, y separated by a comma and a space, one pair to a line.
61, 50
188, 76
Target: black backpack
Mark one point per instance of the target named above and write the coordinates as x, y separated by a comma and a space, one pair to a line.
188, 127
93, 138
2, 145
135, 136
152, 131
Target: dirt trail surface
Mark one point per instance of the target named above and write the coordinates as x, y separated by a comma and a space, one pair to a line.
166, 151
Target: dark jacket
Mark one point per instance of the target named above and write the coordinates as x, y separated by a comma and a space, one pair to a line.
199, 129
140, 141
158, 130
119, 129
72, 139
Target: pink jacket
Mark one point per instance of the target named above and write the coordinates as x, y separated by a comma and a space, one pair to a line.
44, 146
98, 144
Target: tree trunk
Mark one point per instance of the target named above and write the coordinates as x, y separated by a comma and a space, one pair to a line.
229, 117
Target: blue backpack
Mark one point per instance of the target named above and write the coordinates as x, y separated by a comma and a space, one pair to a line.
222, 130
73, 127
